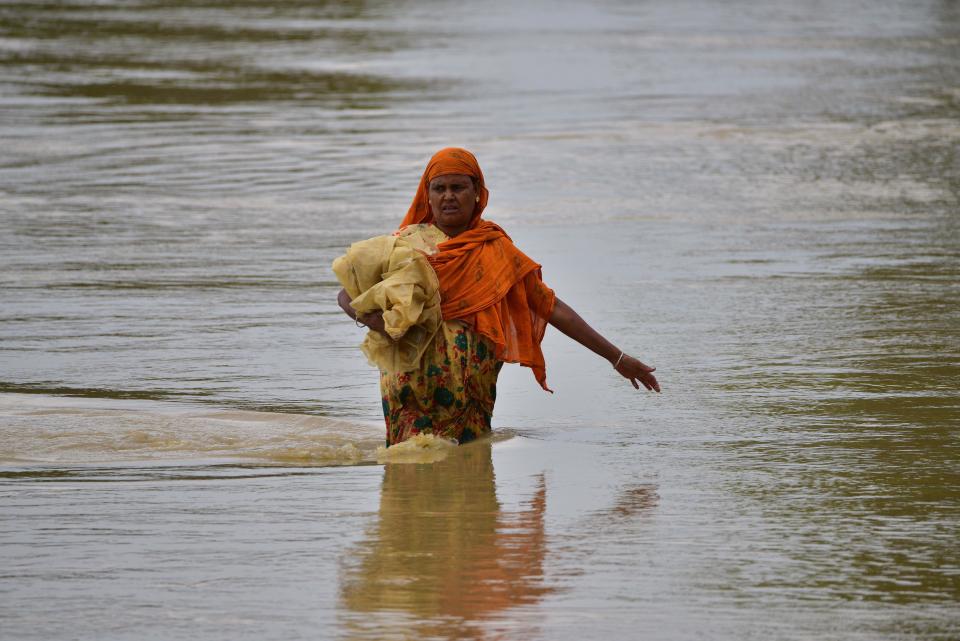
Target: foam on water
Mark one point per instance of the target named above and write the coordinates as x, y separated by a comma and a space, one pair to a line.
421, 448
48, 429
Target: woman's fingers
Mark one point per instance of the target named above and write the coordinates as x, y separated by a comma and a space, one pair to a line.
644, 376
654, 385
373, 320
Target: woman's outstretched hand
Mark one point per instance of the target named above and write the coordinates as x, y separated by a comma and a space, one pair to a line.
634, 371
570, 323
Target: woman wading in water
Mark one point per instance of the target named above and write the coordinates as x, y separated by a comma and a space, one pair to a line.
495, 309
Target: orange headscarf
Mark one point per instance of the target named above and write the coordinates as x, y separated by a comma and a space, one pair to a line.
484, 279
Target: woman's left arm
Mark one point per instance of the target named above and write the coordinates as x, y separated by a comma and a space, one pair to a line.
570, 323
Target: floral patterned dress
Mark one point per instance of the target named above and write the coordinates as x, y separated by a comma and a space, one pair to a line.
452, 392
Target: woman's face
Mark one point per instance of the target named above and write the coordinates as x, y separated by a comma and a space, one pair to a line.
452, 201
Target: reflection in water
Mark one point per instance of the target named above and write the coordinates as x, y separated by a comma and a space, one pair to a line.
633, 500
444, 559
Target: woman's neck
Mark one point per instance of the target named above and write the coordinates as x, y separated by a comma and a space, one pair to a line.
452, 233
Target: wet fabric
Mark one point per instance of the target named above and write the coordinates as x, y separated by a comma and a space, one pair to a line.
388, 274
485, 281
451, 392
451, 395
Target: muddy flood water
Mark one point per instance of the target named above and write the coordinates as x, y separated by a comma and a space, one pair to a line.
760, 199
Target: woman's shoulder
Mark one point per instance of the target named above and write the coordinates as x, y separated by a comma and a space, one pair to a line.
422, 236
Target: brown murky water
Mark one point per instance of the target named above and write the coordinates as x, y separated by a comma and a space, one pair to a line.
760, 200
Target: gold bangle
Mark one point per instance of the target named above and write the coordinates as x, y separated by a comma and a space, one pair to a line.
618, 361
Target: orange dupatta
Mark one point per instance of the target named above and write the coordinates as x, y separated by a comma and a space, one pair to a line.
484, 279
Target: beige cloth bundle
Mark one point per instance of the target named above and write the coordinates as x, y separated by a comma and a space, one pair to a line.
387, 274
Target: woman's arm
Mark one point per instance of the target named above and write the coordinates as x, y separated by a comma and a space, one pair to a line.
570, 323
372, 320
343, 299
